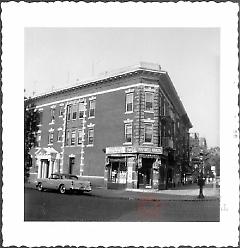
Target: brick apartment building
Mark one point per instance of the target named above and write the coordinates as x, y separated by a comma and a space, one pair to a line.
128, 128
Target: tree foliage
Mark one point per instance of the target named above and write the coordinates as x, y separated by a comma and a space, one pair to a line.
31, 121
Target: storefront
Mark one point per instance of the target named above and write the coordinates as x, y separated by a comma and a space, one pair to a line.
135, 167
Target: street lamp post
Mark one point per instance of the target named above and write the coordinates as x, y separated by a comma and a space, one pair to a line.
201, 179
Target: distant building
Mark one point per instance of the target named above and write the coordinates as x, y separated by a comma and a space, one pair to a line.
128, 128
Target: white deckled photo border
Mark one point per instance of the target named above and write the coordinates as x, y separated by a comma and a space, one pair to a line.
16, 17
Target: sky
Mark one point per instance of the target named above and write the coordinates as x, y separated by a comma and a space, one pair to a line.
58, 57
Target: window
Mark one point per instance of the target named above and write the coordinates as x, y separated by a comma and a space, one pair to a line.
74, 112
69, 112
38, 139
92, 108
59, 135
40, 117
90, 136
67, 137
50, 137
73, 137
52, 115
128, 133
61, 111
148, 133
149, 101
129, 102
80, 136
81, 109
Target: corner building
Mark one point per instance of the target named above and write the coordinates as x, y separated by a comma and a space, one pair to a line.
128, 128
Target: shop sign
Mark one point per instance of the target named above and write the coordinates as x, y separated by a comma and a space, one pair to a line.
113, 150
132, 149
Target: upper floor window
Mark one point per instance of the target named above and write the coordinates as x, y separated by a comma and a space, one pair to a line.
149, 101
92, 105
74, 112
52, 114
129, 102
81, 109
50, 137
128, 133
80, 136
148, 133
73, 137
90, 136
59, 135
61, 110
69, 107
38, 139
67, 139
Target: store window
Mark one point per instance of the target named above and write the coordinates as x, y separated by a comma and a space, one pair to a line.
128, 132
117, 171
73, 137
80, 136
149, 101
129, 102
148, 133
90, 136
81, 110
92, 105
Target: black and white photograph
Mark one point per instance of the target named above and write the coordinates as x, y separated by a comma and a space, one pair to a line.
130, 127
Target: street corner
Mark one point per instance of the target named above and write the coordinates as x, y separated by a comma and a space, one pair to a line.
148, 207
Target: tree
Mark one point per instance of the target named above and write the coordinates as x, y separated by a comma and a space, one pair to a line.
31, 121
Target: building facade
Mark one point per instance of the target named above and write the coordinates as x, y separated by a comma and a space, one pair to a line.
128, 128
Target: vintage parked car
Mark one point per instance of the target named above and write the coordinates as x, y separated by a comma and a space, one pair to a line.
62, 183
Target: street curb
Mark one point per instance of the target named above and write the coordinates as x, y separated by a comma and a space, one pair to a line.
29, 186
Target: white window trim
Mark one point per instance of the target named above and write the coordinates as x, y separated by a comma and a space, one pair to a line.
131, 90
128, 121
53, 107
91, 125
61, 104
92, 98
148, 120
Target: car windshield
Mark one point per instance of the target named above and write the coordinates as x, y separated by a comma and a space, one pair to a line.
72, 177
54, 176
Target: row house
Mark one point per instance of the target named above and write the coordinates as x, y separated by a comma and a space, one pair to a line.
127, 127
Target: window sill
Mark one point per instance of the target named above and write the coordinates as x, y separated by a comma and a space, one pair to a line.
91, 117
129, 112
60, 116
39, 125
52, 123
90, 145
149, 111
127, 143
51, 144
148, 143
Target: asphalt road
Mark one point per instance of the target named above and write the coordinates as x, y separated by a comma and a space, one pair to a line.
52, 206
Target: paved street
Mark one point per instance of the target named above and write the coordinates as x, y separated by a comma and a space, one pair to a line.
52, 206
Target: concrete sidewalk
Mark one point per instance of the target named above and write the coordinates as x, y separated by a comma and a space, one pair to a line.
180, 194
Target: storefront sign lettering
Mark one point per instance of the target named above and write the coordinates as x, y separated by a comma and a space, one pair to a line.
132, 149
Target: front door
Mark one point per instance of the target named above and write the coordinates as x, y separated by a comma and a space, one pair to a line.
71, 164
145, 173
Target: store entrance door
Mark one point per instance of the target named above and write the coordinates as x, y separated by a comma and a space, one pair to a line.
145, 173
